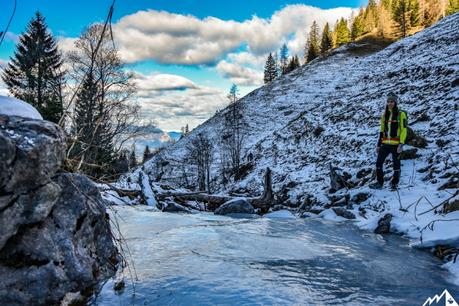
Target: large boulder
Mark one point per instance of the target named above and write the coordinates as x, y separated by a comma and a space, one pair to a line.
55, 237
31, 151
236, 206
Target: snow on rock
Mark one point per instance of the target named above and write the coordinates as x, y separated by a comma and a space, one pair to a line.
13, 107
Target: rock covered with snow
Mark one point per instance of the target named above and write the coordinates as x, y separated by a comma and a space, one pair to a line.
54, 232
236, 206
10, 106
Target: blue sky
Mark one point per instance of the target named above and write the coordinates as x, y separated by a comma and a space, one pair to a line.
186, 53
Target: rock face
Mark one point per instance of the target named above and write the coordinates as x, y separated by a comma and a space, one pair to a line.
237, 206
55, 237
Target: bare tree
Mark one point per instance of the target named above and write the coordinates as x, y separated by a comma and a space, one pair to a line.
104, 112
200, 154
233, 133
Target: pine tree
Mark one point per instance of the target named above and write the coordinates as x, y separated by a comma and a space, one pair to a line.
132, 158
270, 73
146, 154
35, 73
312, 49
453, 7
283, 61
370, 18
414, 12
342, 33
406, 14
293, 63
357, 28
327, 40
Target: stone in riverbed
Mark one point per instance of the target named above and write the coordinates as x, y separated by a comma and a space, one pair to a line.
236, 206
342, 212
384, 225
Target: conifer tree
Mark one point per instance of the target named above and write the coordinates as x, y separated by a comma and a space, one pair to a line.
270, 73
146, 154
293, 63
35, 72
327, 40
406, 14
312, 48
342, 33
370, 18
132, 158
453, 7
357, 28
283, 60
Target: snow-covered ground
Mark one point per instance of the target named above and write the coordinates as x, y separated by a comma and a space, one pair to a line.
344, 95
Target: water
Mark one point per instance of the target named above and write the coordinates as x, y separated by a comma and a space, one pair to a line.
203, 259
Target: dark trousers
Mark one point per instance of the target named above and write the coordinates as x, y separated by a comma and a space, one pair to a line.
384, 151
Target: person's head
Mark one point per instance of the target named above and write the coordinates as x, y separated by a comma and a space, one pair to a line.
392, 100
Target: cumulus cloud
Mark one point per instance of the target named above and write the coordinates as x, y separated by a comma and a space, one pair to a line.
173, 100
240, 75
187, 40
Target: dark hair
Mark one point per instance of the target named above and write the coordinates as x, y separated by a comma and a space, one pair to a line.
394, 112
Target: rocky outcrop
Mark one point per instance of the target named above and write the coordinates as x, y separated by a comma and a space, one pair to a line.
236, 206
55, 237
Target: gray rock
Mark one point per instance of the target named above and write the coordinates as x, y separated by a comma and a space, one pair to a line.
360, 197
31, 151
384, 225
174, 207
55, 238
236, 206
342, 212
69, 247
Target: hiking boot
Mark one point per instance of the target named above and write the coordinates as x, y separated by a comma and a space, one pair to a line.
393, 187
376, 186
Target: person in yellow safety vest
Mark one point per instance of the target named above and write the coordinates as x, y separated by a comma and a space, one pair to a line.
392, 137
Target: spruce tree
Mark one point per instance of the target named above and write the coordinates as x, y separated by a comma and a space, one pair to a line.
453, 7
342, 32
270, 73
283, 59
357, 28
35, 73
405, 14
132, 158
327, 40
146, 154
312, 49
370, 18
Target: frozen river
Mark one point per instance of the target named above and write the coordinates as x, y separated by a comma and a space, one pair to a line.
203, 259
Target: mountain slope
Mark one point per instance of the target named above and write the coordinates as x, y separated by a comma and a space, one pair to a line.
345, 95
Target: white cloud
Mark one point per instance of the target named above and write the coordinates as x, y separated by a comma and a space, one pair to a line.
153, 84
240, 75
174, 101
187, 40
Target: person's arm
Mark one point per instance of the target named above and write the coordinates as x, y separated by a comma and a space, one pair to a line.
381, 131
403, 127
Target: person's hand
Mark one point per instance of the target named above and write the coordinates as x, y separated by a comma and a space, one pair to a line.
399, 148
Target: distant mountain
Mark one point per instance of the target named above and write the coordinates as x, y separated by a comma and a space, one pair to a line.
153, 137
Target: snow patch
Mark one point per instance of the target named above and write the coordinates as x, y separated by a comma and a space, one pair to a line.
14, 107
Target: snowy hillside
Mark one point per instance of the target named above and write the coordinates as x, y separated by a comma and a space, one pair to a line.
327, 113
345, 95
